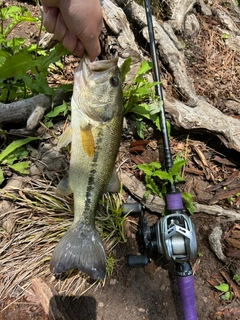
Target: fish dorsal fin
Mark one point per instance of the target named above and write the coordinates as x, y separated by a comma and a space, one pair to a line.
113, 184
87, 140
65, 138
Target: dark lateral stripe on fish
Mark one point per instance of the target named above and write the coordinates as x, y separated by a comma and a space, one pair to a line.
92, 175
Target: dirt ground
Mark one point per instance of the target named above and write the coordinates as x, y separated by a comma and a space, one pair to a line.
148, 293
141, 293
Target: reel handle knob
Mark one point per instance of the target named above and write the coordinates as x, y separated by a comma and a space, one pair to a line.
135, 207
136, 261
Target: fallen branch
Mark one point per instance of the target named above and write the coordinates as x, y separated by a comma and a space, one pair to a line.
137, 190
216, 210
28, 111
7, 219
157, 204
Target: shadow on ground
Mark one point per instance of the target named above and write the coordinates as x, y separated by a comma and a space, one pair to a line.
70, 308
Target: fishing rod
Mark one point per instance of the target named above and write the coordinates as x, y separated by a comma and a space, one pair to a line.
174, 234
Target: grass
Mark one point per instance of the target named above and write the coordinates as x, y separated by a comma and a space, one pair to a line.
31, 229
110, 221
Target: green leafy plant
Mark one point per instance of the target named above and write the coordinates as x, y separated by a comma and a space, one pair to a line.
13, 154
225, 36
236, 278
226, 292
58, 110
13, 15
157, 180
232, 200
23, 68
140, 99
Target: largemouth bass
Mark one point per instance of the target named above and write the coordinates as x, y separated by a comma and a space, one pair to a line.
95, 134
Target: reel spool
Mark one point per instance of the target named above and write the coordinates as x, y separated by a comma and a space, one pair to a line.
176, 238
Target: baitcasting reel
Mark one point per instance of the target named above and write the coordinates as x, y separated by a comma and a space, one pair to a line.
173, 235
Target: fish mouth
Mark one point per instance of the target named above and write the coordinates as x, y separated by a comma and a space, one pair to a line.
97, 70
99, 65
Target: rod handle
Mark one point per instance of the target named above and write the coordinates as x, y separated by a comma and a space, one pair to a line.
186, 291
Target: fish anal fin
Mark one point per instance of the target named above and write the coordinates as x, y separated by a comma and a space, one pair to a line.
63, 188
113, 184
80, 248
65, 138
87, 140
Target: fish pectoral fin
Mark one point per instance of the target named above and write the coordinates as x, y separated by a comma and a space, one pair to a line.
80, 248
113, 184
65, 138
63, 188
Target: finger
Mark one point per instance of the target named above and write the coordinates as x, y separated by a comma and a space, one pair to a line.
50, 16
79, 49
70, 41
92, 46
60, 28
90, 38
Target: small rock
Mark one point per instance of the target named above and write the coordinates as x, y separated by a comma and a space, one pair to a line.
192, 25
233, 106
101, 305
205, 10
113, 282
163, 287
9, 225
215, 243
141, 310
34, 171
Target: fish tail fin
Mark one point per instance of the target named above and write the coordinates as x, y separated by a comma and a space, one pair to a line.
80, 248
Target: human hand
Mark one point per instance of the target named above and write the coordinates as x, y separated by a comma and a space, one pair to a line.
76, 23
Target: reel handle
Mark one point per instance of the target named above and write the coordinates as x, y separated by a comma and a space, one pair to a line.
137, 261
135, 207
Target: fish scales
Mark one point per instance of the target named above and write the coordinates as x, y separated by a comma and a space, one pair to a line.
96, 125
98, 170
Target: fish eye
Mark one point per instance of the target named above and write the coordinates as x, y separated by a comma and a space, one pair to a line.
114, 81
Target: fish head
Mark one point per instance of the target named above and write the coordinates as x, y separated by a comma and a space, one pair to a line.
97, 89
